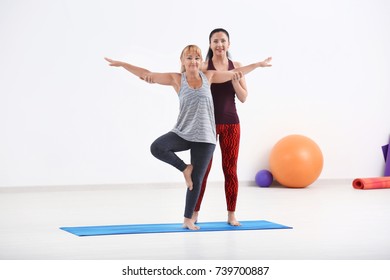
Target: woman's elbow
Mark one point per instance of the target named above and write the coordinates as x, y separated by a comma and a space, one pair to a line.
242, 98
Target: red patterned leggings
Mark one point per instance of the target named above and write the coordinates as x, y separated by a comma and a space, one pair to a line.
229, 141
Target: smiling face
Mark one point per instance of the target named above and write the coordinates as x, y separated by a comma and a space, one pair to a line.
191, 59
219, 43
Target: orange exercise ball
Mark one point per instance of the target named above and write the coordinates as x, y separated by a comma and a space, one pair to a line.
296, 161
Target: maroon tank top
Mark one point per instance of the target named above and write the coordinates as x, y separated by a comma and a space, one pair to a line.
224, 99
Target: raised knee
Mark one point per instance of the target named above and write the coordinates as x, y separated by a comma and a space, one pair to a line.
155, 149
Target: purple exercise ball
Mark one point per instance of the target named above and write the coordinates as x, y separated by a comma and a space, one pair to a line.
264, 178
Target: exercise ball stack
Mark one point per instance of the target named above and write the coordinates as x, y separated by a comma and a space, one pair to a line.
296, 161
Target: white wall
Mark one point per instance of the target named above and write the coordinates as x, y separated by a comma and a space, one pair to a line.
68, 118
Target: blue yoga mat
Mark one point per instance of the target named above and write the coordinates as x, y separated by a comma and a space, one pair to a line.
173, 227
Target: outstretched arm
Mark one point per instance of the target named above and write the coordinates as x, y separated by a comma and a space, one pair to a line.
167, 79
223, 76
249, 68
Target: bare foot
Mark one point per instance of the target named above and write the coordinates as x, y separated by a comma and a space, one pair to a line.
195, 217
187, 176
188, 223
232, 219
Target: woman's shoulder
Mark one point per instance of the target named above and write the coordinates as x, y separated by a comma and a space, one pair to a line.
236, 64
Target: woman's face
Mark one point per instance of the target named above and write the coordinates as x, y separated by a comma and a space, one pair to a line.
219, 44
191, 61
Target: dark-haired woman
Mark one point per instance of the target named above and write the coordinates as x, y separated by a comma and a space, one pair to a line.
226, 118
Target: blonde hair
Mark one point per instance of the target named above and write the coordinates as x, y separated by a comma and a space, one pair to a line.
190, 49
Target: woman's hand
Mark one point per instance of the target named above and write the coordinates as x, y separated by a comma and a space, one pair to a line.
114, 63
148, 78
237, 77
266, 62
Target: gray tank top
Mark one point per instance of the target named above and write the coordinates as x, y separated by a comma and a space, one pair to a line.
196, 121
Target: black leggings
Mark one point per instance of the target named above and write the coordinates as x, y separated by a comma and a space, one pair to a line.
165, 147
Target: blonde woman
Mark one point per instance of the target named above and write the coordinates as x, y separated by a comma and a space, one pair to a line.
195, 126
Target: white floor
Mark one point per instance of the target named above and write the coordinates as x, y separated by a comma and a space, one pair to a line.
330, 220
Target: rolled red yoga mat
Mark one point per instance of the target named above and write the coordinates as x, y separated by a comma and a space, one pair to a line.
371, 183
